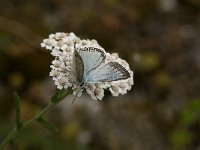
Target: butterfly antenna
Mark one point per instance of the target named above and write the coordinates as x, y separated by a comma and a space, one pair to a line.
75, 97
97, 98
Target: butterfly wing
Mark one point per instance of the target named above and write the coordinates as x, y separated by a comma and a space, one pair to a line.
79, 66
91, 57
111, 71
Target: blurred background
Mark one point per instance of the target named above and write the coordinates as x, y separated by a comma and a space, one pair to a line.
158, 38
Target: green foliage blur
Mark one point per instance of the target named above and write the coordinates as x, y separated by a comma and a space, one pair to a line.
160, 39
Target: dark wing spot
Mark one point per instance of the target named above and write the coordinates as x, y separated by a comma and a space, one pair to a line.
121, 69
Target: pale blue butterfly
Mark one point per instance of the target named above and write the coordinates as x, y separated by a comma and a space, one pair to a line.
91, 67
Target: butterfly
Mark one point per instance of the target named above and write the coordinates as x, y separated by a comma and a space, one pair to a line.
91, 67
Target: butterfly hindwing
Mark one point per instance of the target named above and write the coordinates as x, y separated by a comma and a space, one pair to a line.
92, 57
111, 71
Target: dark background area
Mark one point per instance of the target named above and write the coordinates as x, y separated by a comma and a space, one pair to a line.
158, 38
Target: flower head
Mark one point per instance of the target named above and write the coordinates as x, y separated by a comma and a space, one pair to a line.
62, 68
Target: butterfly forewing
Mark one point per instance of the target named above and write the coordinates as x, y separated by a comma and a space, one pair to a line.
91, 57
111, 71
79, 66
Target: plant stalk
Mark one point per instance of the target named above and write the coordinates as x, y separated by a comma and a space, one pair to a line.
14, 132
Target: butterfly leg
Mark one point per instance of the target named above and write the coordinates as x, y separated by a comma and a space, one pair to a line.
75, 97
81, 85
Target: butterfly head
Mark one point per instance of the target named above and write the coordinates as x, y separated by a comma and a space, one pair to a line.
81, 84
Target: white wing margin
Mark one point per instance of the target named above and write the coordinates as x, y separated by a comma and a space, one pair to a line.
111, 71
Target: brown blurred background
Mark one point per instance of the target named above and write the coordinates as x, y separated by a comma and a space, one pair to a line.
158, 38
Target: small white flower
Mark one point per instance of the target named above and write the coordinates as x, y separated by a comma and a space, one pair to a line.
56, 52
59, 35
57, 64
114, 90
63, 83
77, 90
95, 91
52, 36
48, 43
63, 70
56, 74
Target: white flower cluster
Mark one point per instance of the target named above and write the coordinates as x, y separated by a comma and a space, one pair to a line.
62, 48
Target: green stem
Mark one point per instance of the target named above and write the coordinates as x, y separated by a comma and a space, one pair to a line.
56, 98
9, 138
14, 132
40, 115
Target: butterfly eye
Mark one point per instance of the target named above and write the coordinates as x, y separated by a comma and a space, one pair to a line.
81, 84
